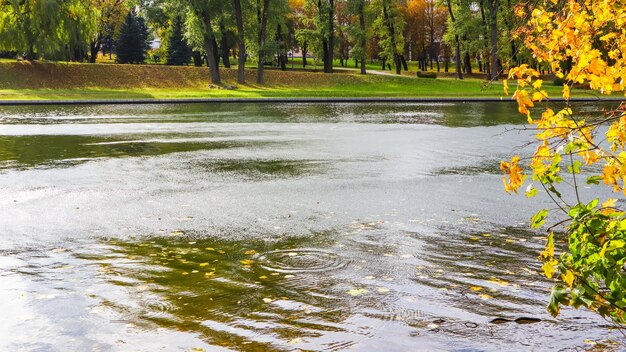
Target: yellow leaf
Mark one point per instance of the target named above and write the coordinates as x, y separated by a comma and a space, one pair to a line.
357, 292
568, 278
505, 83
476, 288
610, 203
566, 92
485, 296
247, 261
250, 252
267, 300
203, 264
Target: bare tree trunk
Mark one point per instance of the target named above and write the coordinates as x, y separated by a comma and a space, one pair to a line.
241, 45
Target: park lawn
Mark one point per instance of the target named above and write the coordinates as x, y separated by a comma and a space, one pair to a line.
53, 81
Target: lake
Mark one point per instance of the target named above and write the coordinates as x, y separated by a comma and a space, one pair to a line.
272, 227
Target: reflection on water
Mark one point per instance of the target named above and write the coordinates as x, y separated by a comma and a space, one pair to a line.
271, 227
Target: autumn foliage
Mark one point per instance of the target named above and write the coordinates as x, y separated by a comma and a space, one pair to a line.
584, 43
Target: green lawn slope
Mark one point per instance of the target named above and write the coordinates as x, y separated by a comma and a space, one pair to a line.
64, 81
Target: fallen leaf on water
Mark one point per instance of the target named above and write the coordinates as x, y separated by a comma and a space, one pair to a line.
185, 273
247, 261
288, 276
210, 249
250, 252
203, 264
499, 282
263, 277
370, 277
357, 291
197, 349
210, 273
486, 235
474, 238
296, 340
476, 288
292, 254
267, 300
221, 252
194, 271
193, 242
589, 342
484, 296
382, 290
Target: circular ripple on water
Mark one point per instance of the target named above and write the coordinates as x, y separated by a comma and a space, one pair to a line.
157, 308
300, 261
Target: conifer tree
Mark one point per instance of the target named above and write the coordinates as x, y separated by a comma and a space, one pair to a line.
178, 51
133, 43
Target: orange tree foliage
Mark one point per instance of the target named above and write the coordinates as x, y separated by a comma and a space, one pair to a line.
584, 42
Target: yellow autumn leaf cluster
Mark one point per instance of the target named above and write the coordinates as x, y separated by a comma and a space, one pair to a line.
590, 37
515, 175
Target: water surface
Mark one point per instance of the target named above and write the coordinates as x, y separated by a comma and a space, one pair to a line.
263, 227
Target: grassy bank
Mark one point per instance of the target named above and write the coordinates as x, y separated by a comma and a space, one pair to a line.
55, 81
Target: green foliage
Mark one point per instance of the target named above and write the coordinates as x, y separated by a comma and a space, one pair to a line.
46, 28
593, 266
178, 51
133, 42
389, 27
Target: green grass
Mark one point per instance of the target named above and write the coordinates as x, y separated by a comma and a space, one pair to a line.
38, 81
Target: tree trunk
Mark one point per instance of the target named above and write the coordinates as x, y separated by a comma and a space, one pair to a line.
241, 45
328, 62
392, 35
94, 49
304, 52
495, 70
485, 34
363, 41
468, 63
282, 53
209, 47
224, 46
457, 45
262, 35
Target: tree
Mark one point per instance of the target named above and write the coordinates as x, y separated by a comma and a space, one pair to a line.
390, 26
358, 32
178, 51
241, 44
322, 33
52, 29
133, 42
112, 14
457, 43
205, 12
582, 42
